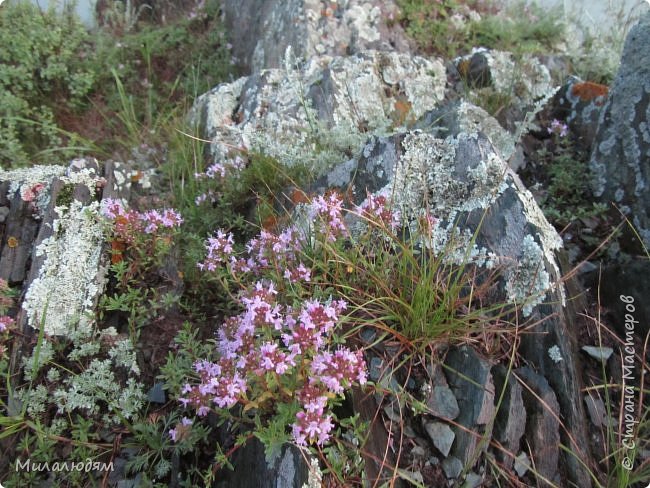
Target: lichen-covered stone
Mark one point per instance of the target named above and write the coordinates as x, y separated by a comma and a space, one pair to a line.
53, 210
64, 294
470, 190
464, 117
579, 103
620, 160
525, 79
312, 27
321, 113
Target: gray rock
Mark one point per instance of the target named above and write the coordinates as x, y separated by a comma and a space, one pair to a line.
598, 353
368, 335
472, 480
321, 113
312, 27
442, 403
156, 394
631, 279
579, 104
418, 452
542, 425
131, 482
470, 380
392, 411
377, 458
441, 435
436, 374
452, 466
376, 367
510, 422
522, 464
596, 410
409, 432
491, 68
620, 160
286, 469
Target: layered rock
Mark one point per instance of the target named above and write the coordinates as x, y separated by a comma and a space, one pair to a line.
321, 113
620, 160
312, 27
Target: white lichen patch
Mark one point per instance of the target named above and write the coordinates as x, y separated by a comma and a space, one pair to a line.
315, 477
321, 112
472, 119
218, 105
546, 234
528, 281
363, 20
428, 173
555, 354
24, 179
527, 79
64, 293
427, 184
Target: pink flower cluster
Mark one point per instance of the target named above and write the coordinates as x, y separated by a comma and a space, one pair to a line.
271, 345
269, 338
329, 210
558, 128
219, 248
266, 251
130, 222
218, 171
376, 210
6, 323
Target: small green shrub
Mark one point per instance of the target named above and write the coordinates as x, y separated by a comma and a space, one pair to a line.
451, 28
44, 65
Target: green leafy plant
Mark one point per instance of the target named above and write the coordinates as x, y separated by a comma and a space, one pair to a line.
140, 242
567, 194
451, 28
44, 66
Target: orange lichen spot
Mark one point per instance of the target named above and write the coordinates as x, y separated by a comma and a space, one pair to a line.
588, 90
12, 242
299, 196
137, 176
402, 109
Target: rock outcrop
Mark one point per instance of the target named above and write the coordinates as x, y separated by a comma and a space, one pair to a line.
620, 161
452, 158
311, 27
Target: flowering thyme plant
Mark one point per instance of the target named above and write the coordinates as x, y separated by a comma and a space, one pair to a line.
140, 244
147, 235
282, 358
